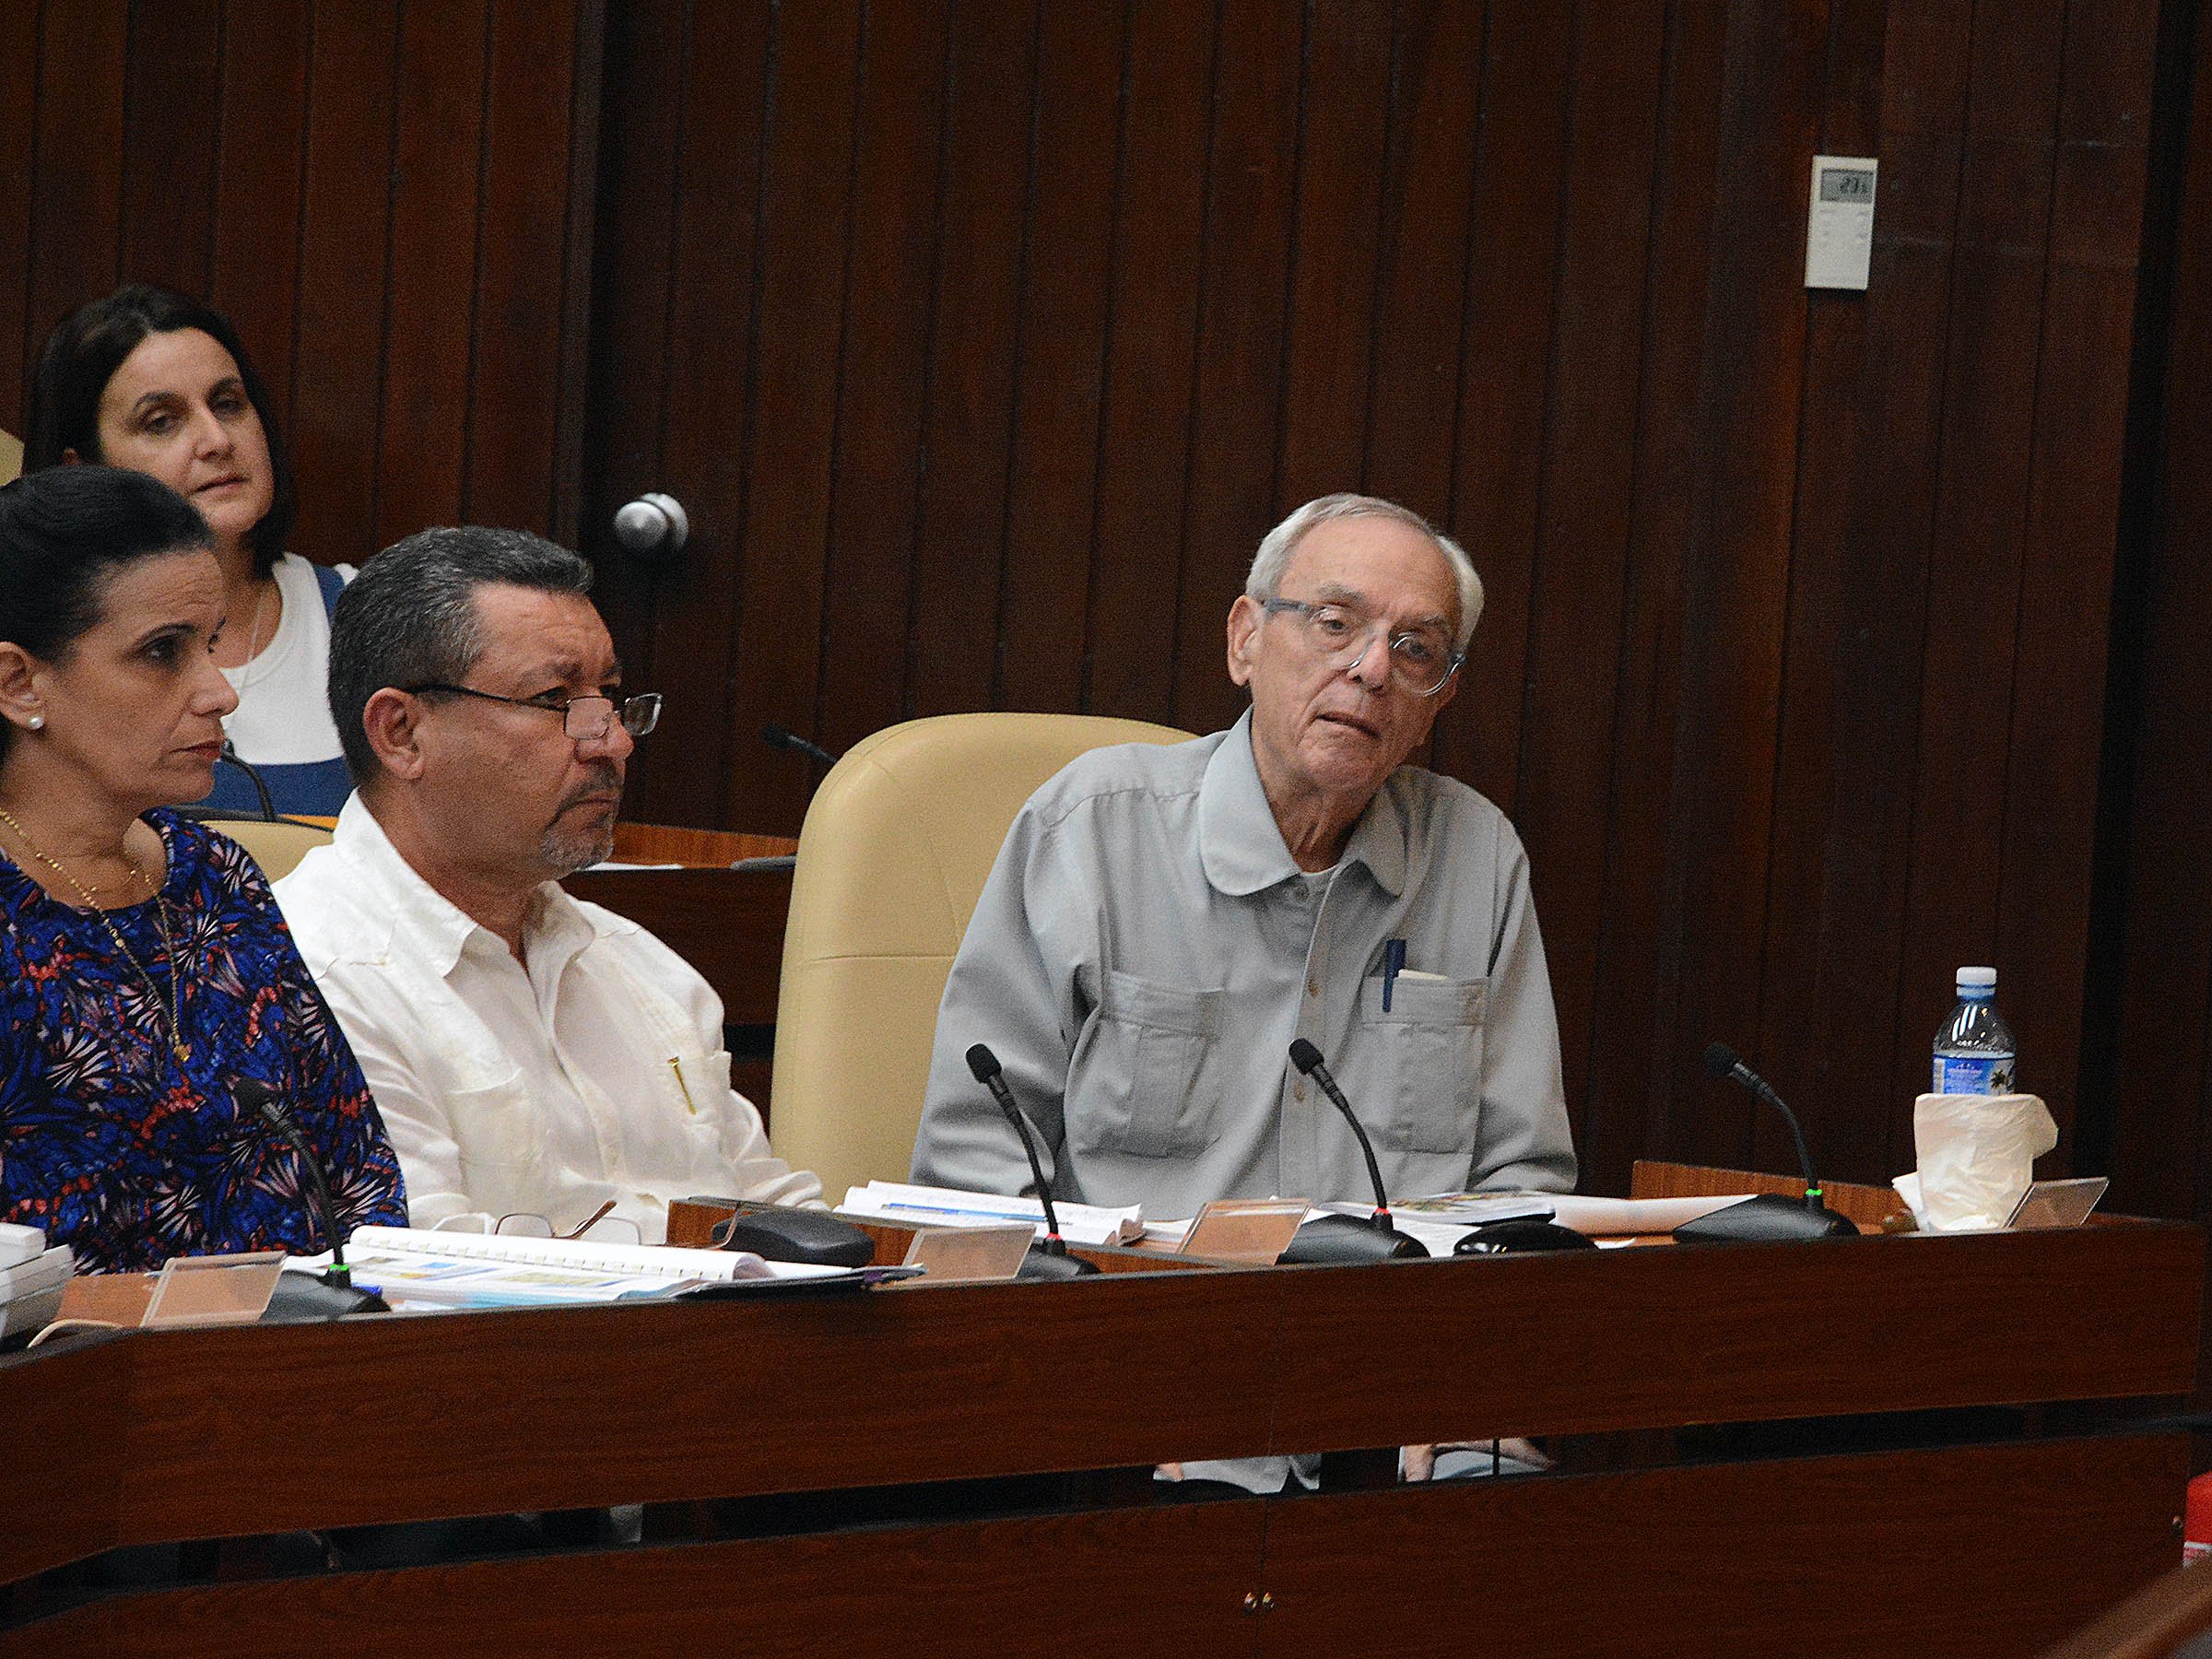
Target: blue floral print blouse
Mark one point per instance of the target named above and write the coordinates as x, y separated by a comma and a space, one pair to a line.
132, 1156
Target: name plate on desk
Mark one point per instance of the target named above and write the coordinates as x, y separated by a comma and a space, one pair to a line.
965, 1256
2058, 1203
213, 1290
1255, 1231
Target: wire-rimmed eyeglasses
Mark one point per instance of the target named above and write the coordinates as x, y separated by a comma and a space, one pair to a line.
1422, 659
603, 1225
585, 719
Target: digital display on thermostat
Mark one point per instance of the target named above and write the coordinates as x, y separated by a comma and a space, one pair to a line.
1846, 184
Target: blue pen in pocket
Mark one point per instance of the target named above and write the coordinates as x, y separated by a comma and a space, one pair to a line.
1394, 958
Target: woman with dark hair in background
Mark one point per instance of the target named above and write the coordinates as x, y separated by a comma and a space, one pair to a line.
153, 380
145, 972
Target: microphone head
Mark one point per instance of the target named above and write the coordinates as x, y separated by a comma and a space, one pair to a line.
260, 1100
1304, 1056
776, 736
1720, 1060
982, 1063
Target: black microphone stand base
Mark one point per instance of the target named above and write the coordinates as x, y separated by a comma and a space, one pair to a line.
1768, 1218
1042, 1263
1340, 1239
306, 1298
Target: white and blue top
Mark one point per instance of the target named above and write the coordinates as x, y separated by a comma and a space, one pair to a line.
282, 724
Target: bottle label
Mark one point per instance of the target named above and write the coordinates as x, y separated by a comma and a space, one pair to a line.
1973, 1074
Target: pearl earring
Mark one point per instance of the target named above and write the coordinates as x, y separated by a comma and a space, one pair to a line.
37, 722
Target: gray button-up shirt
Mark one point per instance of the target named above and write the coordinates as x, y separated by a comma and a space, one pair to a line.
1146, 950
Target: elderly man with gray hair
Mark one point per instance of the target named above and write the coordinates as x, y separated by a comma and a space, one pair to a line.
1163, 922
530, 1054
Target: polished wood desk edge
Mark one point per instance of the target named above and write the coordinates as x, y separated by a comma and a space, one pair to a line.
1849, 1325
190, 1454
2035, 1266
120, 1298
952, 1586
2150, 1624
1754, 1306
114, 1296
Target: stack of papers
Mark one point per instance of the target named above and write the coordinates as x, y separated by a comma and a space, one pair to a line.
1585, 1215
1634, 1216
1472, 1209
491, 1270
946, 1206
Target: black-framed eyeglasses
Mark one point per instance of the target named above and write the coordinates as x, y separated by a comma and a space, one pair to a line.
1421, 659
585, 719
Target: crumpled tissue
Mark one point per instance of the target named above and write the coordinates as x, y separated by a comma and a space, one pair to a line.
1977, 1157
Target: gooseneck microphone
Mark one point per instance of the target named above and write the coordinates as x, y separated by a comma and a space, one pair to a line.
258, 1099
261, 789
783, 737
1047, 1259
338, 1295
1770, 1217
1307, 1058
1728, 1066
1347, 1237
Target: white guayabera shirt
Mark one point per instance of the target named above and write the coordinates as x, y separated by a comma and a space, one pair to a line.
596, 1072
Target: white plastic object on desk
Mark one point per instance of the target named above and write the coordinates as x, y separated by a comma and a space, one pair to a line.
19, 1244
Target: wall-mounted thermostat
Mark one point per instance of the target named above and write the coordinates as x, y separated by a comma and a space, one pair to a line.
1839, 234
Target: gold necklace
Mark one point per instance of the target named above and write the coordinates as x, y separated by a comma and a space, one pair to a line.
175, 1011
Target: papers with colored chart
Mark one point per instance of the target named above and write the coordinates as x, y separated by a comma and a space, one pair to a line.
483, 1270
946, 1206
1583, 1213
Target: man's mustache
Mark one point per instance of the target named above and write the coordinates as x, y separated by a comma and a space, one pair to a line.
606, 778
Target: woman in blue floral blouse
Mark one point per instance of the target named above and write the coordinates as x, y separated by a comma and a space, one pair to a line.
145, 971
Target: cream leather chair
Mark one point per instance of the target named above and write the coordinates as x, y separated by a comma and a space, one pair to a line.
892, 858
276, 847
11, 458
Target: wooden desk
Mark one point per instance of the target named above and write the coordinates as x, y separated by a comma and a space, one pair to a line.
1946, 1536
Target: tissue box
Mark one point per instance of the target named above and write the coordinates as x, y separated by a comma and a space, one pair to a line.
1977, 1156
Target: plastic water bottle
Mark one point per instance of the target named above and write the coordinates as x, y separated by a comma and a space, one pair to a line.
1974, 1052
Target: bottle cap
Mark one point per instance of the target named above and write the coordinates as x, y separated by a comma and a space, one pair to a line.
1977, 979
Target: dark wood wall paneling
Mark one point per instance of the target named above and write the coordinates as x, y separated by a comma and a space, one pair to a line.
379, 194
985, 340
2154, 1074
